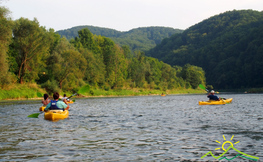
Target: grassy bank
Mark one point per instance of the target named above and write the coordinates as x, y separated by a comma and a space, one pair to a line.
20, 91
31, 91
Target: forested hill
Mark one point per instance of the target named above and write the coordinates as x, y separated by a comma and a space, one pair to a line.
228, 46
141, 39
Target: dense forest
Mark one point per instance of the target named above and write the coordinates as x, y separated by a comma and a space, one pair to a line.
31, 53
228, 46
141, 39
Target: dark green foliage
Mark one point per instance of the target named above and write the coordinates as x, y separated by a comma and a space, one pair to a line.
193, 75
5, 39
86, 39
84, 89
141, 39
57, 64
73, 32
31, 45
51, 86
227, 46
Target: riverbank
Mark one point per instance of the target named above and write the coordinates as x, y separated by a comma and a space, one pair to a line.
21, 92
33, 91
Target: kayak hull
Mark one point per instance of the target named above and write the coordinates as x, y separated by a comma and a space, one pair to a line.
70, 102
54, 116
42, 108
211, 102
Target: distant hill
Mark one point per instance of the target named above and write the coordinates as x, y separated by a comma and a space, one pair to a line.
228, 46
141, 39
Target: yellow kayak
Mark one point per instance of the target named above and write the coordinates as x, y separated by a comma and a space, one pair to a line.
51, 115
212, 102
70, 102
42, 108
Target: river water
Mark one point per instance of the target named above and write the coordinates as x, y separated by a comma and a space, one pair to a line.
143, 128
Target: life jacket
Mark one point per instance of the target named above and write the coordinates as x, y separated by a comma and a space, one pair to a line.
54, 106
213, 97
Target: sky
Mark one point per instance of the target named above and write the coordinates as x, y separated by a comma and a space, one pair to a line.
123, 15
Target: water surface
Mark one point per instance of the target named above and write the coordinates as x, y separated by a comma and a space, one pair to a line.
148, 128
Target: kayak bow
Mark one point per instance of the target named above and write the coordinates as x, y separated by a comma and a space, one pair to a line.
54, 116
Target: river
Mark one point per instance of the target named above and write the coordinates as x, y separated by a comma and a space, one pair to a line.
141, 128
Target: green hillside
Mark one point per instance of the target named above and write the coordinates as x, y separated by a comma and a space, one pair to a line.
141, 39
228, 46
33, 57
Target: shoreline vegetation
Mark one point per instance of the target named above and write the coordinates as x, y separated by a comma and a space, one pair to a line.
35, 60
32, 91
36, 57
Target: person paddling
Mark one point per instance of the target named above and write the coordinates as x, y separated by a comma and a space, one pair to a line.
46, 100
212, 96
56, 105
65, 98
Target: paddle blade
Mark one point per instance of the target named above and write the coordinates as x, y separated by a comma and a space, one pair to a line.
84, 89
35, 115
39, 94
202, 87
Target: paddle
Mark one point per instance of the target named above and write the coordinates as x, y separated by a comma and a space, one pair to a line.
35, 115
39, 94
72, 95
82, 90
203, 87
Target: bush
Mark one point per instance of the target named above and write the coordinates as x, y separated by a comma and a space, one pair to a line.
51, 86
106, 87
187, 85
18, 91
91, 92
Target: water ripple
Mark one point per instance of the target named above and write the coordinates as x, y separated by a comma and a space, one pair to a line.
150, 128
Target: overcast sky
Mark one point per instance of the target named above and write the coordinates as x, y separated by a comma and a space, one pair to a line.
123, 15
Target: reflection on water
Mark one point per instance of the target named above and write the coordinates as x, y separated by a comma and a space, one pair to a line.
150, 128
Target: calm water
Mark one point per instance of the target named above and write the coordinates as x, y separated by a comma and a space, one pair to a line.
149, 128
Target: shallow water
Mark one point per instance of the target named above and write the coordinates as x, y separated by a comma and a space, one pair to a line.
149, 128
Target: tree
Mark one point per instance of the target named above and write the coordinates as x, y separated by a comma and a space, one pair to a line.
138, 68
95, 70
121, 66
5, 38
193, 75
86, 39
154, 74
108, 52
226, 46
66, 62
32, 44
44, 75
